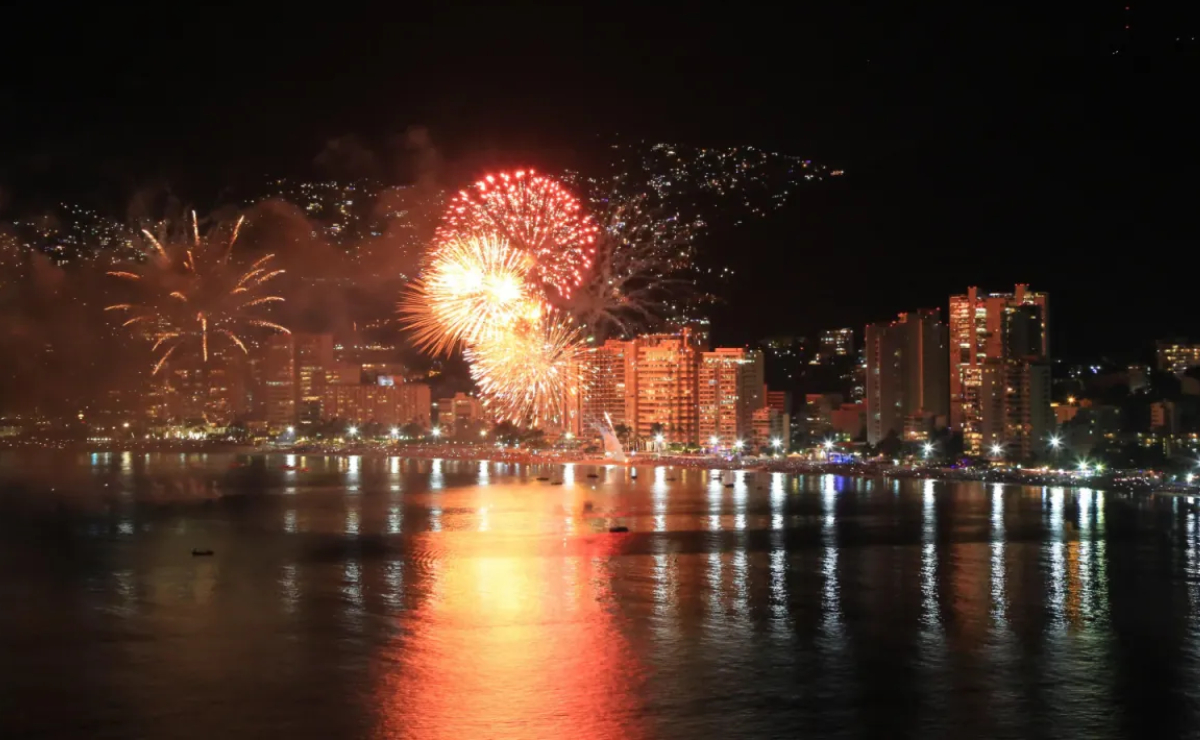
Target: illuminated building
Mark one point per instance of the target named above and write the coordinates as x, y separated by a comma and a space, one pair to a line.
611, 386
837, 343
722, 405
1176, 356
769, 424
461, 416
907, 376
1000, 371
781, 402
666, 385
390, 405
313, 361
279, 382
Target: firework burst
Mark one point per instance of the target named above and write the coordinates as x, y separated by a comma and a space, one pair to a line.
472, 289
528, 375
194, 297
533, 214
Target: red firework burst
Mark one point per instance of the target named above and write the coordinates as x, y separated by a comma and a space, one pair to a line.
532, 213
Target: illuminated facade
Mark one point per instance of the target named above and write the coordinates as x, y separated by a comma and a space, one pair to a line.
390, 405
665, 374
279, 382
907, 383
312, 364
1000, 371
461, 417
610, 386
1177, 356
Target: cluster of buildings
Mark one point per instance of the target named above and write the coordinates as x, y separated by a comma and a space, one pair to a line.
296, 381
985, 375
674, 389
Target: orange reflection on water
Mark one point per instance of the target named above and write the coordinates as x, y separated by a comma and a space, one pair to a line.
518, 638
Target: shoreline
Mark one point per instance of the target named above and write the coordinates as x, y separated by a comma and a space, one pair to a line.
791, 466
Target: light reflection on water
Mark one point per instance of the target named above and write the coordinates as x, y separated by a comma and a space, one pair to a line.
453, 598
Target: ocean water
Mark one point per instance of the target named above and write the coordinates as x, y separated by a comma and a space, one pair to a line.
374, 597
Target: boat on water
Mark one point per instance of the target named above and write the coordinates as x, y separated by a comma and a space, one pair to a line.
196, 553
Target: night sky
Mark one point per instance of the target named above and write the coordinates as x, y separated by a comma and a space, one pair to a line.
979, 149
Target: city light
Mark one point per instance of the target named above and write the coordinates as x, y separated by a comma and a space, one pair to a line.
828, 445
570, 435
352, 431
997, 450
713, 440
738, 444
1084, 467
658, 438
436, 432
928, 449
777, 443
395, 432
1055, 441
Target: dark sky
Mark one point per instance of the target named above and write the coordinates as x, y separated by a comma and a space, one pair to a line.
982, 146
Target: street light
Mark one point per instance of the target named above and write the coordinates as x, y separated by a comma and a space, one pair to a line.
395, 432
713, 440
998, 450
737, 445
436, 432
777, 443
928, 449
290, 430
352, 431
1055, 441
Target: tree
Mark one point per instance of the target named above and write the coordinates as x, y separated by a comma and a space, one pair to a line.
891, 445
507, 433
623, 433
656, 429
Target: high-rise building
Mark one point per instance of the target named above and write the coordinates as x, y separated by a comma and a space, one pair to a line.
665, 378
724, 412
907, 376
279, 382
1000, 371
610, 386
754, 388
837, 343
1176, 356
313, 361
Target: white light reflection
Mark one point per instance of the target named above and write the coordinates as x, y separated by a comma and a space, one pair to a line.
929, 601
999, 602
436, 480
569, 474
352, 586
778, 496
715, 487
658, 494
395, 582
352, 477
1058, 564
291, 591
740, 492
395, 519
395, 466
352, 521
126, 462
830, 604
482, 479
1087, 551
291, 466
289, 521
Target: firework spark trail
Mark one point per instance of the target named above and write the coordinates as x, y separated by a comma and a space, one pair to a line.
472, 288
196, 295
528, 375
534, 214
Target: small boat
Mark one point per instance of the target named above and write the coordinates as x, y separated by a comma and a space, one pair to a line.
592, 475
633, 474
556, 483
542, 477
670, 479
201, 553
729, 485
618, 529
